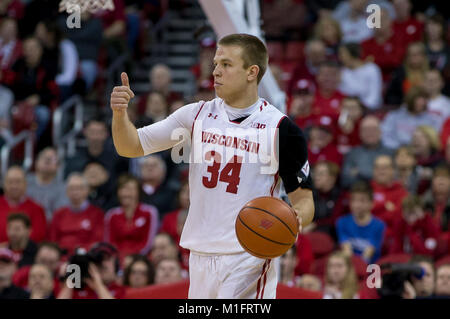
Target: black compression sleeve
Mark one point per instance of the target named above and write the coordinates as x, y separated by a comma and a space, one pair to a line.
293, 157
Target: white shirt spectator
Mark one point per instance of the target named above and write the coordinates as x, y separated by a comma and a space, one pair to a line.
440, 106
364, 82
69, 63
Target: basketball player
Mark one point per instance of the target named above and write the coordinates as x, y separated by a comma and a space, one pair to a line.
218, 266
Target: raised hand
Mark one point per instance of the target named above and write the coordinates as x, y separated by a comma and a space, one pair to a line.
121, 95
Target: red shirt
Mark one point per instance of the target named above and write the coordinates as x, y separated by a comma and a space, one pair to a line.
327, 105
134, 235
15, 9
387, 55
29, 207
117, 291
419, 238
108, 17
408, 31
305, 256
77, 229
382, 196
169, 226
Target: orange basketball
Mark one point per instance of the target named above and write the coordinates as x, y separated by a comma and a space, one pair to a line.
266, 227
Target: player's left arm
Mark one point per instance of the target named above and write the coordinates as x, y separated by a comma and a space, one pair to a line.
294, 170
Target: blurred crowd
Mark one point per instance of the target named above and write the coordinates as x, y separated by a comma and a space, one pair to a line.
372, 103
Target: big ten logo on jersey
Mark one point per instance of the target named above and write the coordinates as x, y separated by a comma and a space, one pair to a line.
258, 125
214, 116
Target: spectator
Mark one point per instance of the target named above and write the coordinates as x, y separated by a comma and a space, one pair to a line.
99, 148
156, 108
278, 25
287, 265
87, 41
443, 281
103, 277
305, 256
426, 146
341, 281
163, 247
139, 273
437, 199
7, 268
415, 232
384, 48
328, 201
204, 68
132, 226
172, 221
399, 125
321, 146
438, 103
309, 282
10, 45
114, 29
18, 231
301, 104
407, 28
406, 170
60, 51
33, 83
168, 271
358, 163
15, 200
361, 233
49, 255
328, 98
356, 73
101, 187
41, 282
160, 81
410, 74
349, 124
157, 188
424, 286
388, 194
329, 31
438, 51
45, 186
315, 55
79, 224
12, 8
353, 21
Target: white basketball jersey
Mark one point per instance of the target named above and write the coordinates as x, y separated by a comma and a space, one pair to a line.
231, 164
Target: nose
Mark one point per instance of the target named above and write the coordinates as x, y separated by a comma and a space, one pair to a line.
216, 71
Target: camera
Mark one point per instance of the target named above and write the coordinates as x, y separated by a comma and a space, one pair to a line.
95, 255
395, 276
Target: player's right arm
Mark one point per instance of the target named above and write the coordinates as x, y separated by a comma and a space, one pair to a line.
124, 133
162, 135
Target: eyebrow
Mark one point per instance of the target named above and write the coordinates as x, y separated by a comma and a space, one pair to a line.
222, 60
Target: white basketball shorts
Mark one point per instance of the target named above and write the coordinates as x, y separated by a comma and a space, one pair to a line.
234, 276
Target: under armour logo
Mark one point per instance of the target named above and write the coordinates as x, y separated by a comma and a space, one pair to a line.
266, 224
211, 115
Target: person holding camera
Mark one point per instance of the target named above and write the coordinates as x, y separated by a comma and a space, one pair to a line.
99, 268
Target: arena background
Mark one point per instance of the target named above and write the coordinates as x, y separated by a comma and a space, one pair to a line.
373, 103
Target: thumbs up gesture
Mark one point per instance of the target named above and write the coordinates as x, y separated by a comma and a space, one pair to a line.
121, 95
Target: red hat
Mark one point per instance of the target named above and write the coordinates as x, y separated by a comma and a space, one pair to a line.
325, 122
208, 42
7, 255
304, 86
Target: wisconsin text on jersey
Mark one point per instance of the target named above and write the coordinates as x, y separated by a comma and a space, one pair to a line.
230, 141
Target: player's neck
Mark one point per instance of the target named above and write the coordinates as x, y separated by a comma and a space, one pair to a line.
243, 101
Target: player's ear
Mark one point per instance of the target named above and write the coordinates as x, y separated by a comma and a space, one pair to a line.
252, 73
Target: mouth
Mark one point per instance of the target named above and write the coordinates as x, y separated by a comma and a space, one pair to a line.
216, 84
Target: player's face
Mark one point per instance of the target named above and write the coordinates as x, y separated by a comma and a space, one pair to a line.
230, 76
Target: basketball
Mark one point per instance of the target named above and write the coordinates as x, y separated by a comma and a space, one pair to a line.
266, 227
